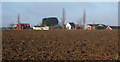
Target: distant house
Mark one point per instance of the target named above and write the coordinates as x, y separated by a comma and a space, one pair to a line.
114, 27
41, 28
77, 26
96, 26
21, 26
109, 28
89, 27
70, 25
9, 28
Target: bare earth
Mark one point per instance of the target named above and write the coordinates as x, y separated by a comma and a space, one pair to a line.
60, 45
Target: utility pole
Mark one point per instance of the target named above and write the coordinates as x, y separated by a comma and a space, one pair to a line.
84, 19
63, 18
18, 18
19, 26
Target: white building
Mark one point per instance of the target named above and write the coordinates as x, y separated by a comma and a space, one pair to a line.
41, 28
70, 25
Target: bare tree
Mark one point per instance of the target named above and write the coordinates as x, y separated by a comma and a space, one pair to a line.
60, 24
63, 18
80, 21
84, 19
39, 24
19, 26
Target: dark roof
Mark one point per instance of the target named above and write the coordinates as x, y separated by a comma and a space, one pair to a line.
72, 24
77, 25
95, 24
23, 24
115, 27
39, 26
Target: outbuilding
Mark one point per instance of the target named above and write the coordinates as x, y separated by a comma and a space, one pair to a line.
41, 28
70, 25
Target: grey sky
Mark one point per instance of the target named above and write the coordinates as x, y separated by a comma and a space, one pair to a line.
34, 12
60, 0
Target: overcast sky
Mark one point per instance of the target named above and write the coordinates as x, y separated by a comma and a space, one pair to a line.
60, 0
34, 12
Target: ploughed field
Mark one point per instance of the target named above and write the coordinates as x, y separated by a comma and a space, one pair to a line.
60, 45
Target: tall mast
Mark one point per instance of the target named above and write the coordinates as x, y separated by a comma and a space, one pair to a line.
19, 26
18, 18
84, 18
63, 17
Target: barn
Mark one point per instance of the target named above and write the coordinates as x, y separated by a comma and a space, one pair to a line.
77, 26
113, 27
40, 28
70, 25
96, 26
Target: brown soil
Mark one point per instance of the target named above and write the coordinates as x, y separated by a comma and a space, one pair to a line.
60, 45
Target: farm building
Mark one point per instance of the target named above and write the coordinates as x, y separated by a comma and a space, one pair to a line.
89, 27
109, 28
113, 27
70, 25
96, 26
8, 28
77, 26
21, 26
41, 28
